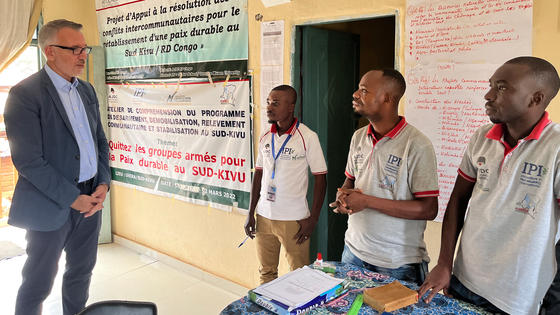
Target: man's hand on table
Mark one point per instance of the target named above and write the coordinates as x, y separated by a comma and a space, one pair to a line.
436, 280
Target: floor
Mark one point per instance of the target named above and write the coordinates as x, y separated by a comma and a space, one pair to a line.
127, 271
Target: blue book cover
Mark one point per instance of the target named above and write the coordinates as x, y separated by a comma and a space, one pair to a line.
282, 309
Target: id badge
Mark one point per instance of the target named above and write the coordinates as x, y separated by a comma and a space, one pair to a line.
271, 193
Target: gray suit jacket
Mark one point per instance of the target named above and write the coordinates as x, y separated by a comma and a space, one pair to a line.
45, 152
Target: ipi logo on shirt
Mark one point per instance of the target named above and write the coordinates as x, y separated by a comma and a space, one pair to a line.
394, 160
534, 169
288, 151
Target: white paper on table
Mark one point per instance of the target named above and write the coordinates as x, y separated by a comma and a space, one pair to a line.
298, 287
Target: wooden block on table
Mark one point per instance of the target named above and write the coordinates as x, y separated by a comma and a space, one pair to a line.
390, 297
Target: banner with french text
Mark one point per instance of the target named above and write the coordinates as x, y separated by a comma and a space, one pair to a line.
189, 141
179, 112
161, 39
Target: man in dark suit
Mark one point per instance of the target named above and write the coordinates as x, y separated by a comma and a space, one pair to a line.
60, 151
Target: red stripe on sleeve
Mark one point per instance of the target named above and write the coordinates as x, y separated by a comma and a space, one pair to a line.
349, 176
429, 193
467, 177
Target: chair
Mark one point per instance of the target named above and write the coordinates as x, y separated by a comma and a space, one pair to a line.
115, 307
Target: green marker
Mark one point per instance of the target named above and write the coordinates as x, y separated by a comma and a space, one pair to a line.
356, 305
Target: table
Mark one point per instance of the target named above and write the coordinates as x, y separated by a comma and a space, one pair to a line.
359, 279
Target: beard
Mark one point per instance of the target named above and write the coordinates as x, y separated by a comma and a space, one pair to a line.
270, 121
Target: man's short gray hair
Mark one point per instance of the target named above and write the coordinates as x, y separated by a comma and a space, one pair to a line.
48, 32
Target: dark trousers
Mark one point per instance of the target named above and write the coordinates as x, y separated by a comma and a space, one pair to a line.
78, 238
415, 273
551, 301
459, 291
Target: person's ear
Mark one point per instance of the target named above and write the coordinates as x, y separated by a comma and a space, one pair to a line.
537, 99
49, 52
387, 98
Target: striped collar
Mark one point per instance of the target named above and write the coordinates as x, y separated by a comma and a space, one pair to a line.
290, 131
391, 134
497, 131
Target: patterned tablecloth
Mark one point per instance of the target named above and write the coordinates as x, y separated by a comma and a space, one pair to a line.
359, 279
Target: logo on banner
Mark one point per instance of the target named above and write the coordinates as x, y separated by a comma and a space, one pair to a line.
178, 99
138, 96
227, 95
112, 97
108, 3
139, 92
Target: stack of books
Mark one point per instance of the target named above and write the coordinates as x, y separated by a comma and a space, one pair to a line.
298, 291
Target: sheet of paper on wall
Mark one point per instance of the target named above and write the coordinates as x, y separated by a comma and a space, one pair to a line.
272, 64
272, 43
271, 3
299, 286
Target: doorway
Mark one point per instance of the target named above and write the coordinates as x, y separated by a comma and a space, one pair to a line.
329, 59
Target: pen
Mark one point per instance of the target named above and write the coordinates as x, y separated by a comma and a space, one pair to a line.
356, 305
245, 240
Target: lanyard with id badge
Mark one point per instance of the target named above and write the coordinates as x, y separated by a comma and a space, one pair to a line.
271, 191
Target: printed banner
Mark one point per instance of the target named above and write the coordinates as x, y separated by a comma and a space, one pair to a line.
151, 39
189, 140
170, 133
452, 48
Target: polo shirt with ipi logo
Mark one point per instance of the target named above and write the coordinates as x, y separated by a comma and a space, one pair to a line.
400, 166
506, 253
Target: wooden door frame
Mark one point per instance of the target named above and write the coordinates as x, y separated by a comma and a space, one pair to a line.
294, 60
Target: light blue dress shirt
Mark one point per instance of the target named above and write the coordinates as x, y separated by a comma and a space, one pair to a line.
76, 113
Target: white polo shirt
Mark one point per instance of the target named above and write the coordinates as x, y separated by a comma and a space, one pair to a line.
303, 150
507, 252
400, 166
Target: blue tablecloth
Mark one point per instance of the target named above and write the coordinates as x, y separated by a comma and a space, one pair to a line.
359, 279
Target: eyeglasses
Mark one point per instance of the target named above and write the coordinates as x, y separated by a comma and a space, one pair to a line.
76, 50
